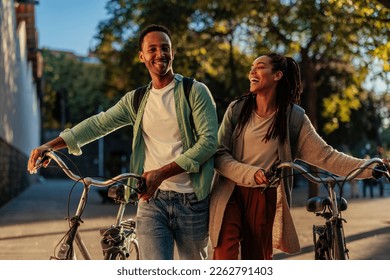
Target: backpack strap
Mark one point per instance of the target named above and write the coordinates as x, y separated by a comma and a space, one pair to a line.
237, 108
187, 85
296, 122
138, 95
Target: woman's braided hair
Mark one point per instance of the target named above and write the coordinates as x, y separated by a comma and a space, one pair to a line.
288, 91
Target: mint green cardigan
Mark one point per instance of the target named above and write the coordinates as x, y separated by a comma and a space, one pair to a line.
198, 146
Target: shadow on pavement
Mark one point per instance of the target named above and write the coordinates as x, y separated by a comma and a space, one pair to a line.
55, 199
351, 238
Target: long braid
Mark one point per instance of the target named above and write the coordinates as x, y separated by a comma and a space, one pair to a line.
247, 109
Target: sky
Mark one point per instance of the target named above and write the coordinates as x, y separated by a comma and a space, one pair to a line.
69, 24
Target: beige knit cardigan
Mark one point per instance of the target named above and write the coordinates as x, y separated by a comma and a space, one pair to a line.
230, 171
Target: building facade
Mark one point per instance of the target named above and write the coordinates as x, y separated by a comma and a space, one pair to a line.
20, 70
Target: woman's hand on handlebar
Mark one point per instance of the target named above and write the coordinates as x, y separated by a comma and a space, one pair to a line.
261, 178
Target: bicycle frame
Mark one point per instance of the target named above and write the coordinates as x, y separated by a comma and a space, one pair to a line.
331, 238
332, 233
66, 248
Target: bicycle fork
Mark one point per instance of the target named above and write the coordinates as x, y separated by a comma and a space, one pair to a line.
340, 251
115, 239
66, 250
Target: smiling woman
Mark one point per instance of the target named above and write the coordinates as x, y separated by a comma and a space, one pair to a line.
249, 212
69, 24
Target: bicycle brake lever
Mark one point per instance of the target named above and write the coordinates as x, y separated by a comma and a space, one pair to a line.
43, 161
273, 175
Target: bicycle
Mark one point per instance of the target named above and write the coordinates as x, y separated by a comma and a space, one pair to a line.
119, 241
328, 238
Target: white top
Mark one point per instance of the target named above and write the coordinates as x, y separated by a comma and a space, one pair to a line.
161, 134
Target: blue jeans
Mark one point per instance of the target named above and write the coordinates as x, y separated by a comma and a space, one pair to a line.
169, 218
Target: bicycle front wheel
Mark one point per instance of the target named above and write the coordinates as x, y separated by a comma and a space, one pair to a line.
133, 250
339, 250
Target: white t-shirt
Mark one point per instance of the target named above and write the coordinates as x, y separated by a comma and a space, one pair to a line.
161, 134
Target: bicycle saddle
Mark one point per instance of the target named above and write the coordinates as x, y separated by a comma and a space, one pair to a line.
318, 203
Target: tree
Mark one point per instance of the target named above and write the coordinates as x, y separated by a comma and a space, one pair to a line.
73, 89
335, 42
201, 47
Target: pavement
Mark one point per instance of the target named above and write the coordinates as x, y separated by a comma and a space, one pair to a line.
32, 224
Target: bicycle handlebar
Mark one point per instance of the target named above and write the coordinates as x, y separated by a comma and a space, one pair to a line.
379, 170
48, 155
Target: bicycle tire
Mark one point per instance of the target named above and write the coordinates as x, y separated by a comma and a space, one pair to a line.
338, 242
131, 242
133, 249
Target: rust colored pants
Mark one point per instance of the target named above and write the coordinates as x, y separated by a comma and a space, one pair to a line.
248, 221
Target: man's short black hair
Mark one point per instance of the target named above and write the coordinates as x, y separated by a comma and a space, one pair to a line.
152, 28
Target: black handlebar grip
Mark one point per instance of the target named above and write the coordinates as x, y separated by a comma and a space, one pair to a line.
273, 172
133, 197
269, 174
43, 161
378, 171
141, 186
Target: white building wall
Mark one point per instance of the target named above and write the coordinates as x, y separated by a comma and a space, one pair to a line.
19, 105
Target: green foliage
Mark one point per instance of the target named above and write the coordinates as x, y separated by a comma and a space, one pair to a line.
334, 41
73, 89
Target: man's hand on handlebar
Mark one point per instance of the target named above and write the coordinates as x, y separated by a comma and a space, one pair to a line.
141, 186
37, 159
152, 180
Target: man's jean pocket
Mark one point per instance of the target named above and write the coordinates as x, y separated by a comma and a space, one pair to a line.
171, 218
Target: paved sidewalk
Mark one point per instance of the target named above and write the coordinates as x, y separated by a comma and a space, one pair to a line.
33, 223
367, 230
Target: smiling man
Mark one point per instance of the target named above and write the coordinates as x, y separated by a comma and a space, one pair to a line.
173, 154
